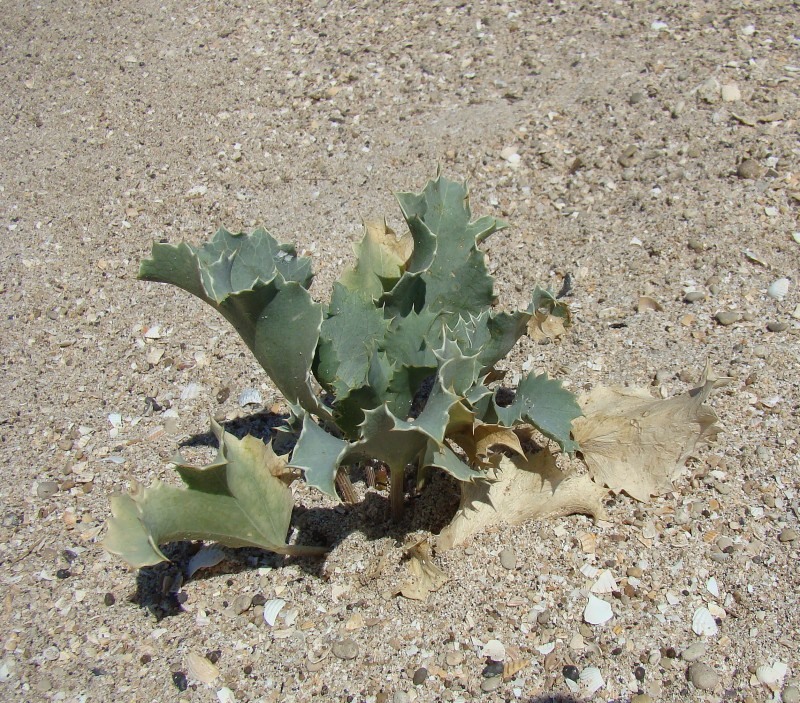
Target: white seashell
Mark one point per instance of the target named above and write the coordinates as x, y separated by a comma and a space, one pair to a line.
597, 611
672, 598
191, 391
712, 587
200, 668
545, 648
716, 611
250, 396
591, 679
571, 685
796, 237
605, 583
589, 571
772, 676
318, 653
778, 289
271, 610
205, 558
115, 419
495, 650
225, 695
703, 623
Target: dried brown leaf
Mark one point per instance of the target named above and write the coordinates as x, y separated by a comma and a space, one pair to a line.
520, 489
544, 327
635, 443
425, 575
477, 439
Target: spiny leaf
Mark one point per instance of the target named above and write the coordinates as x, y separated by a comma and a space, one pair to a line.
250, 505
349, 338
260, 288
446, 258
381, 259
318, 454
545, 404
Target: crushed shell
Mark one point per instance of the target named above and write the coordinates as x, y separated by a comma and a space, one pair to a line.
772, 676
703, 623
512, 668
495, 650
271, 610
597, 611
200, 668
591, 679
605, 583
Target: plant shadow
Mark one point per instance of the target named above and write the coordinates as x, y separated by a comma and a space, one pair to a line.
158, 588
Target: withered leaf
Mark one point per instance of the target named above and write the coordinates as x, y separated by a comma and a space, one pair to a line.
635, 443
425, 575
520, 489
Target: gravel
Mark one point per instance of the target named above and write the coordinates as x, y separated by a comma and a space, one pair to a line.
604, 133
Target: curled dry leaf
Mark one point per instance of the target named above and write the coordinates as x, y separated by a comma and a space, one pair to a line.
634, 443
425, 575
520, 489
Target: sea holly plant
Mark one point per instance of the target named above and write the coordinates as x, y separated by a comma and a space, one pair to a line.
399, 367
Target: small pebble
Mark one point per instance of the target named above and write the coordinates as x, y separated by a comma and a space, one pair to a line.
419, 676
454, 658
571, 672
788, 534
641, 698
791, 694
345, 649
241, 603
702, 676
725, 544
46, 489
634, 571
109, 599
491, 684
63, 574
179, 679
693, 652
508, 559
401, 697
697, 245
694, 296
777, 326
727, 317
750, 169
492, 669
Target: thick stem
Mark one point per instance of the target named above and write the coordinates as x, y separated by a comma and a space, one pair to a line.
396, 491
345, 486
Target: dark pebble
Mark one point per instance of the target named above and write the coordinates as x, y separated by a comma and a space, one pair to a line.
248, 669
179, 679
109, 599
145, 659
258, 599
492, 669
63, 574
420, 675
639, 673
571, 672
214, 656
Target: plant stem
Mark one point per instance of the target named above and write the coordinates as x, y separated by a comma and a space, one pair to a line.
396, 491
345, 486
